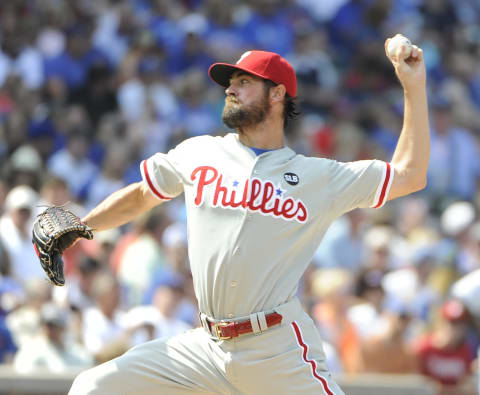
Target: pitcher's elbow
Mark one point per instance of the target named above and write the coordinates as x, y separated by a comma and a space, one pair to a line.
419, 184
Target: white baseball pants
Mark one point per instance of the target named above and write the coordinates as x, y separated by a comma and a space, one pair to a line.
285, 359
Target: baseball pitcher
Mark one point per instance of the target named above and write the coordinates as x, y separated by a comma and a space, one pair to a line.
256, 213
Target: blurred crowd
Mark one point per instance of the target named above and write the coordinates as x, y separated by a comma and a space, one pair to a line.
89, 88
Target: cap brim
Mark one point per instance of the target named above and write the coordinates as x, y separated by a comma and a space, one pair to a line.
222, 72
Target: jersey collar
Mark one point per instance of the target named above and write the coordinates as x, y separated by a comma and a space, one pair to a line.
277, 155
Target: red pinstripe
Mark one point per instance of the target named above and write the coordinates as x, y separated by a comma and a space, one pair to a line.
384, 187
150, 183
302, 344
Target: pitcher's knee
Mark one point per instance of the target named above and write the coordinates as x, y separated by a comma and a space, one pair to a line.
104, 379
80, 384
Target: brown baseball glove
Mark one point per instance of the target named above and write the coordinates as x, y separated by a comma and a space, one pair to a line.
54, 231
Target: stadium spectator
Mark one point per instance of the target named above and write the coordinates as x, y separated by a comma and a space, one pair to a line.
455, 158
52, 349
77, 294
162, 313
73, 165
7, 345
389, 351
110, 177
343, 245
141, 259
24, 321
105, 331
15, 233
444, 354
332, 290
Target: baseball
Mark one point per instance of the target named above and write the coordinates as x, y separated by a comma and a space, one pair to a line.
396, 42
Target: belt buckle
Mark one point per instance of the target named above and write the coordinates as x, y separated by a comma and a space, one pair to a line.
218, 333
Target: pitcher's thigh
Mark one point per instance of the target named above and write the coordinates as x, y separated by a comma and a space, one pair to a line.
180, 365
293, 362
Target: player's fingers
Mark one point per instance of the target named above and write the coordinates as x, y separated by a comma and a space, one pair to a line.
420, 54
386, 45
415, 52
401, 51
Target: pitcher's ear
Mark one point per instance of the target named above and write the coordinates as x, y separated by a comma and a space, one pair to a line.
278, 93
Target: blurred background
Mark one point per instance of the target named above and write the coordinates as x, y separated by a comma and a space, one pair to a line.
89, 88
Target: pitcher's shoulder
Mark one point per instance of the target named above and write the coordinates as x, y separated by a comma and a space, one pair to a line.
198, 141
313, 161
313, 168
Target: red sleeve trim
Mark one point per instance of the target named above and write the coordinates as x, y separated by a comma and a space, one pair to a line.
385, 185
150, 183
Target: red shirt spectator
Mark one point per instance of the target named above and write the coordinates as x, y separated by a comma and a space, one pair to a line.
448, 366
445, 355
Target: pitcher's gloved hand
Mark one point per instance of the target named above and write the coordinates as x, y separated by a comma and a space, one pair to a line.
54, 231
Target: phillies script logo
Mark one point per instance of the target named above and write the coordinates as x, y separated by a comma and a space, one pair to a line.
256, 195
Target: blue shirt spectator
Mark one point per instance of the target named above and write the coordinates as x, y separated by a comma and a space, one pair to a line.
455, 157
7, 346
73, 64
270, 31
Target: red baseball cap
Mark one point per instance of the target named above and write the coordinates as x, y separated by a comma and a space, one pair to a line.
454, 311
268, 65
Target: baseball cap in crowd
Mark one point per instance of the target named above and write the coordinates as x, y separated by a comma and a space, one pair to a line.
53, 314
266, 65
457, 218
20, 197
454, 311
26, 158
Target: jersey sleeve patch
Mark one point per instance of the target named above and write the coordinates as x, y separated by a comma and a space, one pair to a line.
146, 170
383, 189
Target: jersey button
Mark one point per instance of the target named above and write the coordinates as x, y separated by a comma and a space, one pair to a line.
255, 172
233, 284
230, 315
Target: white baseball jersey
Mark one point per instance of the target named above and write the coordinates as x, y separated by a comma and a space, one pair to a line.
254, 222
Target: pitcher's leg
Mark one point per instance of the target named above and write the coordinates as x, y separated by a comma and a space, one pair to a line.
285, 360
184, 364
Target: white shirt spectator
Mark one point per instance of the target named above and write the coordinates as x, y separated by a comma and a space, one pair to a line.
71, 294
51, 42
340, 248
101, 188
77, 173
15, 233
367, 320
107, 39
99, 331
140, 261
52, 349
454, 164
24, 323
25, 264
164, 327
131, 98
28, 65
467, 289
322, 10
41, 353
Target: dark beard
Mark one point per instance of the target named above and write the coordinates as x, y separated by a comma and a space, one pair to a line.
237, 117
